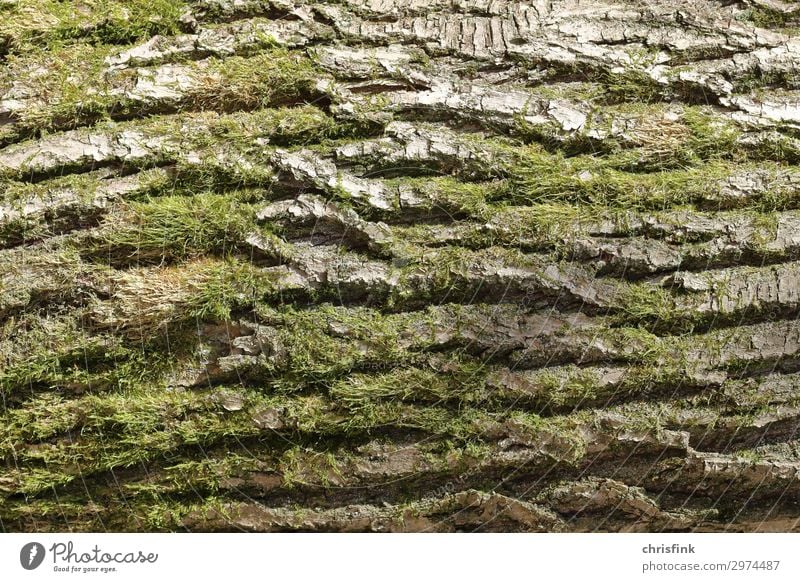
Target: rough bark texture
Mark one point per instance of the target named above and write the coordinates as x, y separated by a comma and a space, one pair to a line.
394, 265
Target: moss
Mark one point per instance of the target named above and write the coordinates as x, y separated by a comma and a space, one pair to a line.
171, 227
566, 441
712, 136
670, 312
750, 456
573, 386
369, 114
68, 89
765, 226
51, 515
131, 427
692, 172
80, 364
655, 137
328, 341
121, 430
756, 79
453, 274
277, 77
460, 381
146, 302
100, 326
74, 88
644, 302
542, 178
553, 138
448, 195
21, 229
50, 22
545, 223
632, 85
765, 16
205, 150
47, 274
776, 146
17, 193
41, 340
207, 475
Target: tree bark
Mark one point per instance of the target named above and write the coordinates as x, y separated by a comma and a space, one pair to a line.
393, 265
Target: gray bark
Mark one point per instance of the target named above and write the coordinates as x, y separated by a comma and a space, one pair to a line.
393, 265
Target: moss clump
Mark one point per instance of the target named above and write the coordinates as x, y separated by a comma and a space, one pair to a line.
632, 85
72, 87
327, 341
443, 195
52, 352
68, 89
140, 425
566, 440
174, 227
210, 148
145, 301
543, 226
277, 77
572, 386
644, 302
766, 17
642, 137
542, 178
50, 22
460, 381
246, 132
711, 136
119, 430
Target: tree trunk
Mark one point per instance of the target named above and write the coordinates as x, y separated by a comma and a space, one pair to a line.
394, 265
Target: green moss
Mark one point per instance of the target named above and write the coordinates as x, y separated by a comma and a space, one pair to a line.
50, 22
644, 302
775, 145
68, 89
542, 178
15, 193
147, 302
712, 137
460, 381
120, 430
277, 77
21, 229
74, 88
206, 150
138, 426
657, 136
573, 386
229, 285
566, 441
173, 227
632, 85
553, 138
448, 195
52, 514
765, 16
329, 341
207, 475
57, 354
766, 229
